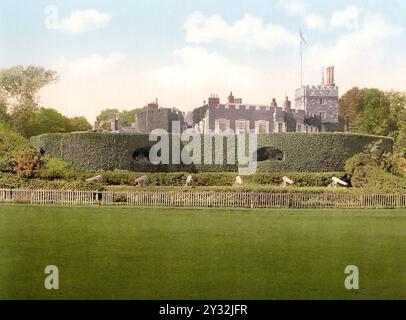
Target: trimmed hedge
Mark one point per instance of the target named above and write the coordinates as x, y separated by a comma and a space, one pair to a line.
12, 181
121, 177
317, 152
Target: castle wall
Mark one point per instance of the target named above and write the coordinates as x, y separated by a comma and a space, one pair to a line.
235, 112
319, 100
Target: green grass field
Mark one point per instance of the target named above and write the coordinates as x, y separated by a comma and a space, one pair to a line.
156, 253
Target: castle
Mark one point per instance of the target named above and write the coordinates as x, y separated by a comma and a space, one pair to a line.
316, 110
155, 117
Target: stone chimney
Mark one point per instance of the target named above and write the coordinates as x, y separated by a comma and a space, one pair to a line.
114, 124
231, 98
214, 100
330, 76
287, 104
97, 125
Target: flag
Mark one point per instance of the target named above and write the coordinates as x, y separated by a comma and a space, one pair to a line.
301, 37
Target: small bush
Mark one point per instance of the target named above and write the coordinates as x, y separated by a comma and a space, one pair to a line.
374, 179
376, 170
26, 163
11, 144
55, 168
11, 181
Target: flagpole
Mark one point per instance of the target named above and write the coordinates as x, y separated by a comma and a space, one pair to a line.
302, 40
301, 63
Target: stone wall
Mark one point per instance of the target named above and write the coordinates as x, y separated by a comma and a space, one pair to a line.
319, 100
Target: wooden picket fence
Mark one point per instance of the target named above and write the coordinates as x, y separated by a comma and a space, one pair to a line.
204, 199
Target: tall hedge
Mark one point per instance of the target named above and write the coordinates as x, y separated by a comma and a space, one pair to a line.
318, 152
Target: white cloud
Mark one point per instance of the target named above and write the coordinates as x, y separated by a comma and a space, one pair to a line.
197, 67
250, 31
360, 56
314, 21
348, 18
81, 21
298, 8
365, 43
89, 65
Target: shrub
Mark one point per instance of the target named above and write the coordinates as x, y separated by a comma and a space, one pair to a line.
11, 144
26, 163
376, 170
55, 168
11, 181
301, 179
374, 179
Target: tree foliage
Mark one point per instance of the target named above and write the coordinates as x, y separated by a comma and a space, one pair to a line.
11, 144
126, 118
21, 85
199, 114
105, 117
373, 111
79, 124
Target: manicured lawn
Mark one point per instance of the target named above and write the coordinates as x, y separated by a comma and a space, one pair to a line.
155, 253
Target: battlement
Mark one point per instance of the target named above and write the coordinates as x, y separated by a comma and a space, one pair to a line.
316, 91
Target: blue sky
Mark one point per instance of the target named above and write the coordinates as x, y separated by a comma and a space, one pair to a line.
126, 53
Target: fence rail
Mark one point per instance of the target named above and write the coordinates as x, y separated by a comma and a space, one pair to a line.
204, 199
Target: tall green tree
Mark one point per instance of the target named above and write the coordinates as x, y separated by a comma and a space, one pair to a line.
80, 124
127, 117
374, 114
350, 106
22, 84
106, 116
47, 120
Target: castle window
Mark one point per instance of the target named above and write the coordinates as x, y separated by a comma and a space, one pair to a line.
222, 125
242, 126
262, 126
280, 127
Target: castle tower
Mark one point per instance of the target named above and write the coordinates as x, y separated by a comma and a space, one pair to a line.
231, 98
320, 101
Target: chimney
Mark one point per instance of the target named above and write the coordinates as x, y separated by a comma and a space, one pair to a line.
231, 98
287, 104
330, 76
214, 100
114, 124
97, 125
